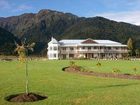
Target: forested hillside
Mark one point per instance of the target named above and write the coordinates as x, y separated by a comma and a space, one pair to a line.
39, 27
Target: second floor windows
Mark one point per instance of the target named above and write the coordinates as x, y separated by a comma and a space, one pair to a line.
53, 48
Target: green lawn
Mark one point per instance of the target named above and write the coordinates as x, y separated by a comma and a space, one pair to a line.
63, 88
124, 66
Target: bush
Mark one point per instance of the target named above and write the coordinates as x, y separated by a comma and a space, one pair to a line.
116, 70
72, 63
135, 69
98, 64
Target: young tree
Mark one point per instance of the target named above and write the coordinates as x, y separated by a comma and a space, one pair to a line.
22, 51
130, 46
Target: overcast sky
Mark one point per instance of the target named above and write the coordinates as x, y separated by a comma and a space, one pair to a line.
119, 10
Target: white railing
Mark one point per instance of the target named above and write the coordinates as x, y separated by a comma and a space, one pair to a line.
93, 51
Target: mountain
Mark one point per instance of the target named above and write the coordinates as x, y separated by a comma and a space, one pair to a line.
39, 27
102, 28
7, 41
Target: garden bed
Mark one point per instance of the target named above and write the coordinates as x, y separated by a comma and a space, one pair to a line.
23, 97
98, 74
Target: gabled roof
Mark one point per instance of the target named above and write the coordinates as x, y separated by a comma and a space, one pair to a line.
53, 41
89, 41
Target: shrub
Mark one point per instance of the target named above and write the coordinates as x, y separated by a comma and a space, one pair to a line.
135, 70
98, 64
116, 70
72, 63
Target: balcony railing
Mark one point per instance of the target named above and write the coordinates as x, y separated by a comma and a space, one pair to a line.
93, 51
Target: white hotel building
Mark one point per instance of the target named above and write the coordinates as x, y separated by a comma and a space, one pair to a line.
88, 48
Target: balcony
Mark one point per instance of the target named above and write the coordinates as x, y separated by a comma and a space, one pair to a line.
116, 51
93, 51
68, 51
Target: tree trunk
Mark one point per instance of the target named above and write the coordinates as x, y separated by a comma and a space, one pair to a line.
26, 77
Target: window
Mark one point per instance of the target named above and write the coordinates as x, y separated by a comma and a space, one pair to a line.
71, 48
109, 48
89, 48
95, 47
50, 48
83, 48
54, 55
64, 56
117, 48
55, 48
101, 47
71, 55
64, 48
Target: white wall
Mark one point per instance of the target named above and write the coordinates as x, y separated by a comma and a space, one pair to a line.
53, 51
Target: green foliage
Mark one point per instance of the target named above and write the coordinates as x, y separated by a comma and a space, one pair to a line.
72, 64
137, 51
135, 70
98, 64
22, 51
130, 44
77, 67
6, 42
116, 70
82, 69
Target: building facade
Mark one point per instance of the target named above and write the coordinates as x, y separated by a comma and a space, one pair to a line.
88, 48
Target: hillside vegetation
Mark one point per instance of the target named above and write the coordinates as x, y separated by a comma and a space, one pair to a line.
39, 27
7, 44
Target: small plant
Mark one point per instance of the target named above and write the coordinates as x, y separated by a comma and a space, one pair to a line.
82, 69
116, 70
22, 51
72, 64
135, 70
98, 64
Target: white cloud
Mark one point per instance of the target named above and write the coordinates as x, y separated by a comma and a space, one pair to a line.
5, 5
121, 11
22, 8
132, 17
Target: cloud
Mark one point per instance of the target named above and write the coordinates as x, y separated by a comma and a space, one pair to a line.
121, 11
132, 17
4, 4
22, 7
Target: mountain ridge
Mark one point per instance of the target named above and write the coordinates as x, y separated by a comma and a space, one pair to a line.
39, 27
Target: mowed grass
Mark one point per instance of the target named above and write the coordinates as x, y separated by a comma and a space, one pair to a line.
125, 66
63, 88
